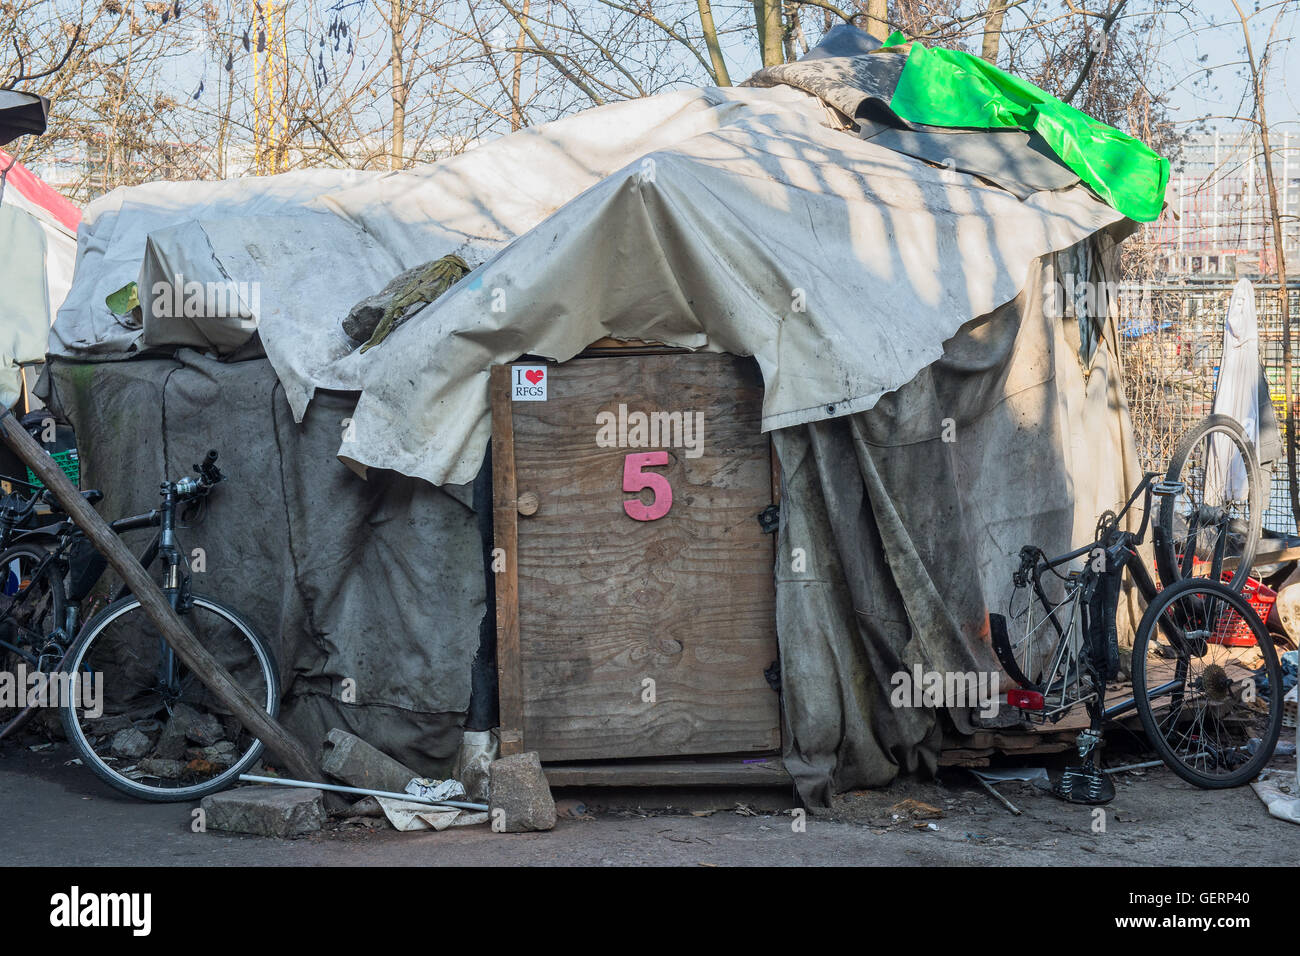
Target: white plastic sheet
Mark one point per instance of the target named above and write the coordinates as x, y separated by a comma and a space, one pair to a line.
35, 274
1235, 395
406, 816
1280, 794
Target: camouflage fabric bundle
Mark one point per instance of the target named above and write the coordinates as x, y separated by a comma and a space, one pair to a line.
373, 318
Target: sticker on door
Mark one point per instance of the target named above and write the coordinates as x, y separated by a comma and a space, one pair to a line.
528, 383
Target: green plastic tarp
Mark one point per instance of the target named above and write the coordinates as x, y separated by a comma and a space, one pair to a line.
951, 88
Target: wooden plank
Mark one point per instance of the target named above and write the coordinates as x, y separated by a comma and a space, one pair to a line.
646, 638
1267, 554
963, 757
716, 772
505, 535
776, 475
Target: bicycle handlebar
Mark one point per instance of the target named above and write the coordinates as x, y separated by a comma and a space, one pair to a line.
1030, 556
187, 488
208, 476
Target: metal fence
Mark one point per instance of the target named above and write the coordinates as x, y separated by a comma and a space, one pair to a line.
1171, 342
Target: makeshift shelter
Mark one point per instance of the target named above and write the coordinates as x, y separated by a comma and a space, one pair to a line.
38, 229
930, 408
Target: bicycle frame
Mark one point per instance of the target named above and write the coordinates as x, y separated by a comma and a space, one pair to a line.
1118, 552
57, 646
163, 545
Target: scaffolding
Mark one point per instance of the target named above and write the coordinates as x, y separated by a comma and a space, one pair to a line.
270, 85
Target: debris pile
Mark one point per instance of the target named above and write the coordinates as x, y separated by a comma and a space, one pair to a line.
520, 797
188, 744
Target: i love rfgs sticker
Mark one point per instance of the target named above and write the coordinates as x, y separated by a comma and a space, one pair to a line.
528, 383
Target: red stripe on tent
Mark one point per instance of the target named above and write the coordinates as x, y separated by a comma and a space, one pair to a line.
39, 192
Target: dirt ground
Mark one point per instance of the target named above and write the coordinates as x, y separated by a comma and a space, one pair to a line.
58, 814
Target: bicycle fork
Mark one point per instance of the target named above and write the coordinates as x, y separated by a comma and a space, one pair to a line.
168, 677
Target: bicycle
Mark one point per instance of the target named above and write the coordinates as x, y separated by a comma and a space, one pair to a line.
33, 598
137, 717
1199, 657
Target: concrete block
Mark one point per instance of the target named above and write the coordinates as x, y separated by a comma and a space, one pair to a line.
352, 760
265, 811
520, 796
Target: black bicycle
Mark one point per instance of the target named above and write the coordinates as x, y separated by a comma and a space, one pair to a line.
136, 715
37, 614
1206, 679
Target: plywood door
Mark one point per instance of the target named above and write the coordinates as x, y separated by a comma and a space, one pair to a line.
643, 637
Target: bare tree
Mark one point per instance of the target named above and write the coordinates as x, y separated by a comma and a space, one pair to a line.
993, 30
172, 88
877, 20
1258, 70
397, 20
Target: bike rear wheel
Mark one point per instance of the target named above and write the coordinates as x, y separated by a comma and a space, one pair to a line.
1037, 641
32, 608
1220, 509
151, 729
1207, 681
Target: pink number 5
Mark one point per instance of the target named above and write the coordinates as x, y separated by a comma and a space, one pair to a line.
634, 479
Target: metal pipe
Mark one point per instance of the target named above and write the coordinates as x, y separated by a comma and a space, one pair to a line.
1135, 766
1001, 799
407, 797
1130, 702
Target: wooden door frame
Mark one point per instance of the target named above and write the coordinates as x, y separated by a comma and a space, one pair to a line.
505, 536
505, 543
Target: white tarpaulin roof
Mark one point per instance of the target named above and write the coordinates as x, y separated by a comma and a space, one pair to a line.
734, 220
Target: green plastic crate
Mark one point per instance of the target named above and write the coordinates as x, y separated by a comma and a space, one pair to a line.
68, 461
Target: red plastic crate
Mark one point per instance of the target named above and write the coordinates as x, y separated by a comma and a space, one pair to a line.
1259, 595
1261, 598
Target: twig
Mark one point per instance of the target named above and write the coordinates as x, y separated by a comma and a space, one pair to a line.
1001, 799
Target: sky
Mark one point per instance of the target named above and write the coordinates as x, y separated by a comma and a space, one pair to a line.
1222, 47
1210, 39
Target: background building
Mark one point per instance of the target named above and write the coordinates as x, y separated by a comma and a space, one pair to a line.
1217, 223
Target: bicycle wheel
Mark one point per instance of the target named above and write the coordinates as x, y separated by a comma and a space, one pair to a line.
1030, 640
1207, 682
1218, 513
32, 607
147, 726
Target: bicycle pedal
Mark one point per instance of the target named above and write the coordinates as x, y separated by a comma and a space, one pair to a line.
1085, 784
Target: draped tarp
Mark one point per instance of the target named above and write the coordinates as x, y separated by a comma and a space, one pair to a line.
911, 516
21, 114
37, 230
1242, 393
370, 593
955, 88
726, 220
